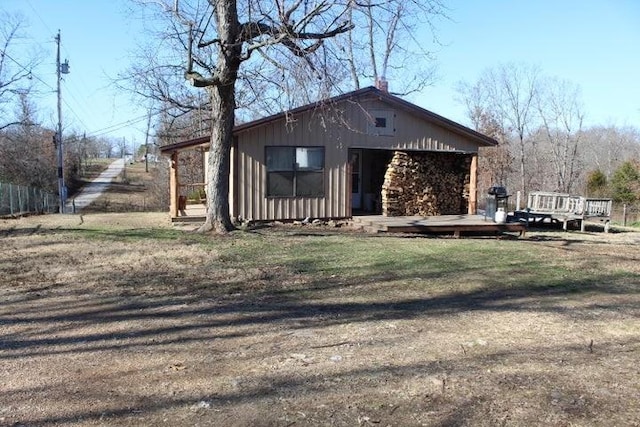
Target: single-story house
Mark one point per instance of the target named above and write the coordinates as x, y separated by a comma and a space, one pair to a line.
363, 151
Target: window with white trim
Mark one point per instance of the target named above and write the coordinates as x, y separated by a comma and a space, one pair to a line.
295, 171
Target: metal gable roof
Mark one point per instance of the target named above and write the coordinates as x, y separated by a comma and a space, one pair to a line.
371, 91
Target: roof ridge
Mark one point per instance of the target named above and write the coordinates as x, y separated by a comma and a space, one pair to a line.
386, 96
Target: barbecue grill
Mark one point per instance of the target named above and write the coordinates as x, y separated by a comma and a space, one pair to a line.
499, 199
500, 196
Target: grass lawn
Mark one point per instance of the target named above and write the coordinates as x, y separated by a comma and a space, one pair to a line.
122, 319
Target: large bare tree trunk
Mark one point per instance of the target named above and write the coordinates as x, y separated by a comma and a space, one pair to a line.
214, 58
223, 104
219, 164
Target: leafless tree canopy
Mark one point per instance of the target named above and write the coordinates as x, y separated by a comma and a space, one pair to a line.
539, 122
257, 57
292, 52
394, 40
15, 70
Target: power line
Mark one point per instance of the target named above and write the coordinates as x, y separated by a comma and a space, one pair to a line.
35, 76
28, 71
68, 85
72, 110
71, 90
118, 126
129, 122
99, 132
39, 17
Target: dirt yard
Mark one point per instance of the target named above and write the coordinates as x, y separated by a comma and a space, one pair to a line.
122, 319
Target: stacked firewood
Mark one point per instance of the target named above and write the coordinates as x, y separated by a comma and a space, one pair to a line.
426, 184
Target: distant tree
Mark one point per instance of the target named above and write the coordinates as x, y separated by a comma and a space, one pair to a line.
561, 116
596, 183
27, 150
508, 93
625, 182
15, 67
494, 163
27, 154
607, 147
79, 149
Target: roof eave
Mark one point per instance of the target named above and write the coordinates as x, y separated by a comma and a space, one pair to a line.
440, 120
191, 143
477, 137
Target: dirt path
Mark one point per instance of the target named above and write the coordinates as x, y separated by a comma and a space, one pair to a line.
95, 188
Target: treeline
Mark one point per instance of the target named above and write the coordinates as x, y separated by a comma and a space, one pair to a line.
28, 156
539, 123
27, 149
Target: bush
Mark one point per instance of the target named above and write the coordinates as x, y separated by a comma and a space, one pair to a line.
625, 183
597, 184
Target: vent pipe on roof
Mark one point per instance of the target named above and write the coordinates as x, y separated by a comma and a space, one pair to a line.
382, 84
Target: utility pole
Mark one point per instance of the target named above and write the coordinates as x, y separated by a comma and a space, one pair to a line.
60, 69
146, 144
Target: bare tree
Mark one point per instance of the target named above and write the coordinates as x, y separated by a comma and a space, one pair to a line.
389, 39
217, 38
607, 147
508, 92
515, 89
27, 150
15, 75
562, 116
494, 163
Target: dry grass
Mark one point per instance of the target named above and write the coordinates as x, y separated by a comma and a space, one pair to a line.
120, 319
135, 190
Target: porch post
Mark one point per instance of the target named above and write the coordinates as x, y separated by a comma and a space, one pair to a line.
473, 185
173, 185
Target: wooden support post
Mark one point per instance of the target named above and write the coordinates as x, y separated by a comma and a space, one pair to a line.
347, 191
473, 186
173, 185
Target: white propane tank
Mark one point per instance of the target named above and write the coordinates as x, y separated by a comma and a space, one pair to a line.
501, 216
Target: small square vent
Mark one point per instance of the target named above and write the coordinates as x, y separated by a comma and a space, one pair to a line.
381, 123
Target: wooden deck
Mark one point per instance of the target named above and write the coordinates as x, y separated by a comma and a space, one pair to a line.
445, 224
193, 213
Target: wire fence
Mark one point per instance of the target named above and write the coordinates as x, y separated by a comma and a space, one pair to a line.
16, 200
626, 214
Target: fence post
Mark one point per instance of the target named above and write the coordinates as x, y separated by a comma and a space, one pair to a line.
624, 214
11, 199
20, 200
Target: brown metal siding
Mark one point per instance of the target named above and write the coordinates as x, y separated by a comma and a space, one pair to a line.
411, 133
310, 129
252, 200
